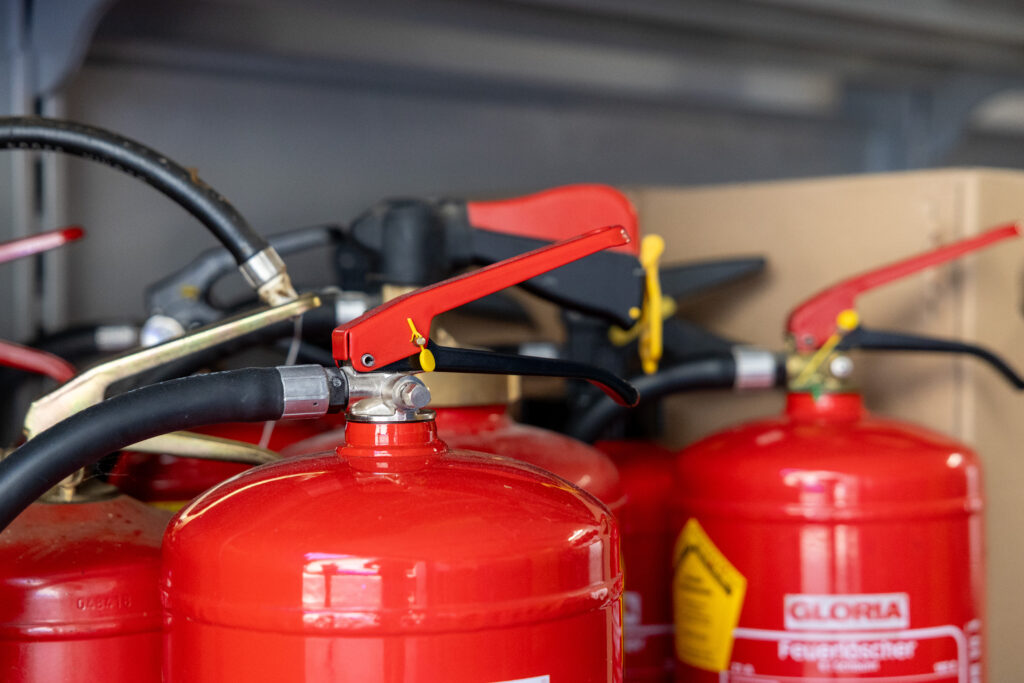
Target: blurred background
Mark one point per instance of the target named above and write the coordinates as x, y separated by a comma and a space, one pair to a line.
302, 111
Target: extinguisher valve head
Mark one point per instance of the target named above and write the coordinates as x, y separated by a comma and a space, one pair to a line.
402, 399
378, 396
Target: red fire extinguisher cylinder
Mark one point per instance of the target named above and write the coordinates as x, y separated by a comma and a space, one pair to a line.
829, 543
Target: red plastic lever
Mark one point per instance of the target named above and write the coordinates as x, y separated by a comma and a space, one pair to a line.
559, 213
812, 322
383, 336
32, 360
44, 241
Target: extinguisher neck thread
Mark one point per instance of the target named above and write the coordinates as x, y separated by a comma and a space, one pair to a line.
388, 447
827, 406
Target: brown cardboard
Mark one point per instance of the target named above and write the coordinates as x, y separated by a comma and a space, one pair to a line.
816, 232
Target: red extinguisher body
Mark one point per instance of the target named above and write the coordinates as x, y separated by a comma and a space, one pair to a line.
393, 560
489, 429
647, 471
79, 600
829, 543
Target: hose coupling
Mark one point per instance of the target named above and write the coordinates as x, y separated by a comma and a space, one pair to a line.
266, 273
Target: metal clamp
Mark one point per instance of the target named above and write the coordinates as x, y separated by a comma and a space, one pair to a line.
755, 368
305, 391
265, 272
90, 387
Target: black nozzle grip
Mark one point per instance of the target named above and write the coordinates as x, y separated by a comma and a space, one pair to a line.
447, 359
607, 284
880, 340
687, 279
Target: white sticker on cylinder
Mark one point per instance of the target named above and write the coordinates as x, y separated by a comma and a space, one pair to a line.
534, 679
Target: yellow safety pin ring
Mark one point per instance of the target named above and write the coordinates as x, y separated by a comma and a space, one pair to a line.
427, 362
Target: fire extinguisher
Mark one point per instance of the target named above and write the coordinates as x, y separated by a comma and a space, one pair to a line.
393, 559
79, 569
828, 542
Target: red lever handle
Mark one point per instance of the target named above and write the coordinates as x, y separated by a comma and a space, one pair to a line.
44, 241
813, 322
32, 360
383, 336
559, 213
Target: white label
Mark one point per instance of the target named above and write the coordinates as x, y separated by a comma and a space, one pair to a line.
535, 679
923, 655
865, 612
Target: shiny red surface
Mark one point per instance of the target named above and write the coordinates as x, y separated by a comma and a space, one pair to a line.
384, 332
78, 593
559, 213
489, 429
813, 321
166, 478
648, 536
830, 500
393, 560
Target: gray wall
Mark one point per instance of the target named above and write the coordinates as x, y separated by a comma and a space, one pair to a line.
289, 155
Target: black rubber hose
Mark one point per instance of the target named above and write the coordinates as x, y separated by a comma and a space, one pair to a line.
249, 395
711, 372
137, 160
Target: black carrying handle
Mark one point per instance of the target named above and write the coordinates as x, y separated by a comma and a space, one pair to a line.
880, 340
689, 279
447, 359
436, 240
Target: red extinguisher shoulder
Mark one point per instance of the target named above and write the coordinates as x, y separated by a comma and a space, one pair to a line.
339, 548
802, 466
81, 570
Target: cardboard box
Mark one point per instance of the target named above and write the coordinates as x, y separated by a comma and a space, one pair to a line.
816, 232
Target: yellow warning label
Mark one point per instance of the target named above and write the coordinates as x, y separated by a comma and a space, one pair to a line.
707, 593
